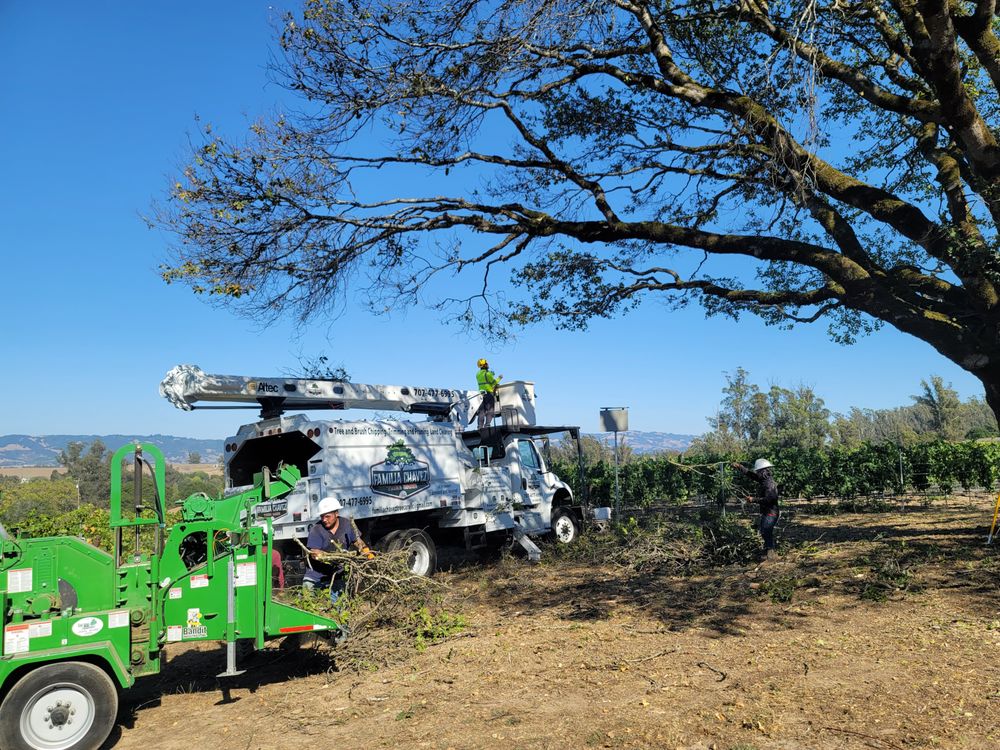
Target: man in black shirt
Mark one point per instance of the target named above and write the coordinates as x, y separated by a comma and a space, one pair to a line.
767, 496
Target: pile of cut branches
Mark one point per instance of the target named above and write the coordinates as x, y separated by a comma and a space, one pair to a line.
656, 549
384, 607
381, 586
671, 546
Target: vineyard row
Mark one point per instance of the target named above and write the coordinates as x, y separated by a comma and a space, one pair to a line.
865, 470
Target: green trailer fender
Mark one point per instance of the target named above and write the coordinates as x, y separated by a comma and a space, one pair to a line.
99, 653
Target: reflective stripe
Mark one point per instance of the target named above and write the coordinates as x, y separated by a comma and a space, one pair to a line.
487, 381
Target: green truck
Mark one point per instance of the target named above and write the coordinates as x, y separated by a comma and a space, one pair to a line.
80, 624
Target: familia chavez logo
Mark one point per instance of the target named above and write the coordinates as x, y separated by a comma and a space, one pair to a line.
400, 475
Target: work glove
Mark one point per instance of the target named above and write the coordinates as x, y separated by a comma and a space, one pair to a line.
363, 550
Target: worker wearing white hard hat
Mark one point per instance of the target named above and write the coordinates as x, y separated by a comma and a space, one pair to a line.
331, 533
767, 496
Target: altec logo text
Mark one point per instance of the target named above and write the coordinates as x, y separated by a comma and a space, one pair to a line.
263, 387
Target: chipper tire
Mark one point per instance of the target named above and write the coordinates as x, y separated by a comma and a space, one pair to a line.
423, 553
70, 705
565, 528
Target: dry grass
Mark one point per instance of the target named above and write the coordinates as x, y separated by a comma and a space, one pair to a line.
44, 472
29, 472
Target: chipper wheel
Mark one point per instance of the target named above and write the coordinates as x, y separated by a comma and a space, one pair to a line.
70, 705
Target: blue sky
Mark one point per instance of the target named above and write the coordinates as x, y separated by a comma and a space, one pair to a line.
97, 100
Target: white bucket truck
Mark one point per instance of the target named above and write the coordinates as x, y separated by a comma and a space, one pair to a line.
407, 484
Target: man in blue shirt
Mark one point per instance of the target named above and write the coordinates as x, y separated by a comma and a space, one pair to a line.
332, 533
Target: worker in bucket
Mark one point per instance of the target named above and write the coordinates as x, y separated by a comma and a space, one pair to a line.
767, 496
331, 534
487, 383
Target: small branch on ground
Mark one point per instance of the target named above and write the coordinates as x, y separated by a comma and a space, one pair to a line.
722, 675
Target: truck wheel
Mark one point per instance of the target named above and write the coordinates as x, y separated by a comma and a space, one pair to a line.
384, 544
423, 553
564, 526
66, 706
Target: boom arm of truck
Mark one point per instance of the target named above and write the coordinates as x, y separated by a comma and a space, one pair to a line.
187, 385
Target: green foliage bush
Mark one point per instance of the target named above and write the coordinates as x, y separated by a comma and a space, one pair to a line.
88, 521
863, 470
429, 627
780, 589
23, 501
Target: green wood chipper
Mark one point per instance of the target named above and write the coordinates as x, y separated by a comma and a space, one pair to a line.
80, 624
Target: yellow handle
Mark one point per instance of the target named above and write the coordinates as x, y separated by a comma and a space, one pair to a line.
993, 526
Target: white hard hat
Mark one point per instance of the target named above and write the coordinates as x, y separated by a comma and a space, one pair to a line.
762, 463
329, 505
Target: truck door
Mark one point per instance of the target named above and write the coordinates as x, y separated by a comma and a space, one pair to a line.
529, 488
531, 484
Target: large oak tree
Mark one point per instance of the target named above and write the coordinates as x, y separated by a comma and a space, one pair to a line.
803, 160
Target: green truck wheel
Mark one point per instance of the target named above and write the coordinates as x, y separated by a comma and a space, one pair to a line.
68, 705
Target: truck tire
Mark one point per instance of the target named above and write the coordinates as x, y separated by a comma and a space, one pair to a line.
423, 553
565, 528
69, 705
384, 544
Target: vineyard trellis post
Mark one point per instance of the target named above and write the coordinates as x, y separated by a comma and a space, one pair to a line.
902, 486
720, 475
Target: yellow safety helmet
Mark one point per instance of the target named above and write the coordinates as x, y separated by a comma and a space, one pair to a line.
482, 363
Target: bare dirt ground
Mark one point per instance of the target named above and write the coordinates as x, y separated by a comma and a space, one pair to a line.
871, 631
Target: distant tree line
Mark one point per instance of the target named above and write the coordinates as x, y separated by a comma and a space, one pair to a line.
933, 444
84, 483
753, 420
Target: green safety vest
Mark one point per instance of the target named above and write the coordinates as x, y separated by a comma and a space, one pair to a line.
487, 380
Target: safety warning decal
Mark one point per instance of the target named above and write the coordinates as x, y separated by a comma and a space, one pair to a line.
118, 619
176, 593
174, 632
18, 581
199, 581
16, 639
40, 629
246, 574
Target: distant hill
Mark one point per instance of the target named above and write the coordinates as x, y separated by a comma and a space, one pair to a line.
648, 442
43, 450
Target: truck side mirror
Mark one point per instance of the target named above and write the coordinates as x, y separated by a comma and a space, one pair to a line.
524, 483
